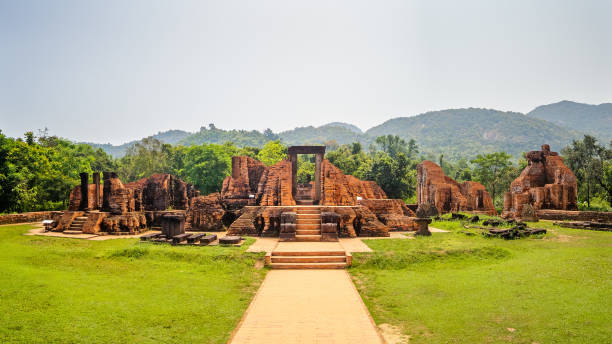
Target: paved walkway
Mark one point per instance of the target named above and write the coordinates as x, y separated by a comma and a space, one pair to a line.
307, 306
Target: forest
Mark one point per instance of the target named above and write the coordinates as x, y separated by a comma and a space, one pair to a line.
38, 171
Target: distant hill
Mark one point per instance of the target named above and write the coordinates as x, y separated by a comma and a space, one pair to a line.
592, 119
240, 138
467, 132
456, 133
348, 126
171, 137
323, 134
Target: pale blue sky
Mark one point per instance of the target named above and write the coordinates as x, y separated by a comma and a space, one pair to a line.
114, 71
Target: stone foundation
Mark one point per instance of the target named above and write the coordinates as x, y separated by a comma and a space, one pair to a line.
353, 221
34, 216
567, 215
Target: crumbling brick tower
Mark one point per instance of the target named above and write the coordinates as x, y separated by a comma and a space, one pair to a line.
447, 195
546, 183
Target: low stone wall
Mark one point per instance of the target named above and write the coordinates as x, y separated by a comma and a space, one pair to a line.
34, 216
559, 215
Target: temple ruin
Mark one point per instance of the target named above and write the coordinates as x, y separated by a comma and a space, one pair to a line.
255, 200
447, 195
546, 183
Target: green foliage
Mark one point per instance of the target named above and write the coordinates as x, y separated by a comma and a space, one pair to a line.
306, 168
239, 138
495, 171
170, 137
272, 152
38, 173
144, 159
394, 145
393, 175
592, 164
206, 166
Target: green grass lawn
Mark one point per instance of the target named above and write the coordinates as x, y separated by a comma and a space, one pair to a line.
458, 288
57, 290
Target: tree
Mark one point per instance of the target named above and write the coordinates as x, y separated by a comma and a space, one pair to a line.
589, 160
272, 152
606, 182
206, 166
394, 175
413, 149
355, 148
145, 158
494, 171
392, 145
270, 134
39, 174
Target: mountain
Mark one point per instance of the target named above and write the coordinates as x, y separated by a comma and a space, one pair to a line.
591, 119
467, 132
322, 135
348, 126
170, 136
456, 133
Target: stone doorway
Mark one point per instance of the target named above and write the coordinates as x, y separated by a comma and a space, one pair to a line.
301, 193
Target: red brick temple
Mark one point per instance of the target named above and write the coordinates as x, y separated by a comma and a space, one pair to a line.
255, 200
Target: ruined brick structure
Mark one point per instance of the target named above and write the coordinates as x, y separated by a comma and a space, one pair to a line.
254, 200
119, 208
362, 205
341, 189
546, 183
447, 195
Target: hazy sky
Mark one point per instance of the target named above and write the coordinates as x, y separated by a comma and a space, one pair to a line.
114, 71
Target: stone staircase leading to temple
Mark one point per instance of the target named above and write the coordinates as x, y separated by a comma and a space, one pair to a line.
76, 226
308, 224
336, 259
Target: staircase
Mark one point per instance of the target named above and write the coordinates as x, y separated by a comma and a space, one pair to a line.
308, 224
76, 226
308, 260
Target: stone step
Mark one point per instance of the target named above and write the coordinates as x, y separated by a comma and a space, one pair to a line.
307, 265
308, 238
72, 232
308, 226
307, 221
308, 232
78, 221
308, 216
81, 218
308, 253
308, 259
298, 202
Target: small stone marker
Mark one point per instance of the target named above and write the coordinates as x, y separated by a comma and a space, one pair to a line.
422, 221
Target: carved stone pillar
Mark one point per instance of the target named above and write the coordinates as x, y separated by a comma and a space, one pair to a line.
106, 194
96, 181
294, 167
84, 205
318, 161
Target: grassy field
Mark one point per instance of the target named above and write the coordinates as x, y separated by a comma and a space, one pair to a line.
458, 288
57, 290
